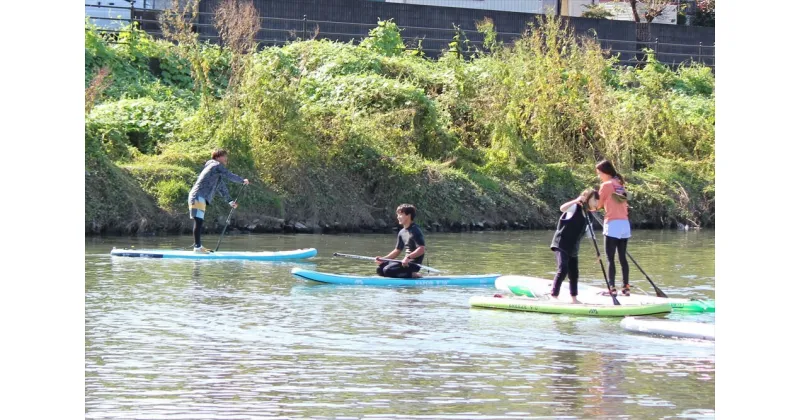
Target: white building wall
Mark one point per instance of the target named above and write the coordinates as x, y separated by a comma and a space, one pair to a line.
525, 6
94, 9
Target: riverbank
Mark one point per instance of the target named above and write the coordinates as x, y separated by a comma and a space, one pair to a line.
334, 136
117, 204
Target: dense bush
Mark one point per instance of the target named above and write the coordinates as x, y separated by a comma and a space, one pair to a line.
504, 132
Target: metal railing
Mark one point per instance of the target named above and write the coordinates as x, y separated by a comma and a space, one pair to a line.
278, 31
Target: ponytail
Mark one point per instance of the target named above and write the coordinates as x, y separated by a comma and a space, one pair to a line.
607, 168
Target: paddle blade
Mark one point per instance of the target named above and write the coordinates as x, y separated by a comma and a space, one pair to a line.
614, 298
659, 293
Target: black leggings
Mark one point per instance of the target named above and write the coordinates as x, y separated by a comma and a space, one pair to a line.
567, 266
614, 245
197, 230
396, 270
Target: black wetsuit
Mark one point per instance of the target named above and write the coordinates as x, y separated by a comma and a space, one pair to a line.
410, 239
566, 244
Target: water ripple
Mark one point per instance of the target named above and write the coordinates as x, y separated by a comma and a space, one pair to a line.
217, 340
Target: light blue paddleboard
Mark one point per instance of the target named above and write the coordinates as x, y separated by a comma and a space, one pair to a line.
426, 281
226, 255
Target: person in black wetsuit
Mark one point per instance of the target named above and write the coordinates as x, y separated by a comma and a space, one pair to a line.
566, 242
411, 239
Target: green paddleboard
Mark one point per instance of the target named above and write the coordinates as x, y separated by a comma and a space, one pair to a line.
554, 307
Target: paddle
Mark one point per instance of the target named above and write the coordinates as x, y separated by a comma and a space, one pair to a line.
659, 293
597, 250
361, 257
228, 220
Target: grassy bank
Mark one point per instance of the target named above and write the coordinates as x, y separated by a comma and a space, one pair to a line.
335, 136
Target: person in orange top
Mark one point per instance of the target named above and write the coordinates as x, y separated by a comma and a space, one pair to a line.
616, 227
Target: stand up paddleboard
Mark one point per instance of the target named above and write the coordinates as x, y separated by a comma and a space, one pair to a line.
683, 329
426, 281
537, 287
227, 255
556, 307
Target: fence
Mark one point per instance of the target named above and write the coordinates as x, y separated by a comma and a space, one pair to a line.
435, 41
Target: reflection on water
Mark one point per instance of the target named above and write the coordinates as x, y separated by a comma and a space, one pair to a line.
240, 339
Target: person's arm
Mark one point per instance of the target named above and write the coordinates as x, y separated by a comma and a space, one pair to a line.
605, 191
223, 189
568, 205
396, 251
420, 240
230, 175
417, 252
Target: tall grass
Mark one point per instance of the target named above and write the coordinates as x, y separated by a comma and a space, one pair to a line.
515, 125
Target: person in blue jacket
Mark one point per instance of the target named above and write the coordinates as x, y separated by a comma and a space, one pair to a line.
209, 183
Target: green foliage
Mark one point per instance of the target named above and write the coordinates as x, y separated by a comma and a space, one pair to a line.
596, 11
170, 194
490, 43
141, 123
385, 39
460, 46
706, 13
511, 133
695, 79
168, 184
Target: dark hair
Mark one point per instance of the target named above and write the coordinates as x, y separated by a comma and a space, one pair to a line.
590, 193
219, 153
607, 168
407, 209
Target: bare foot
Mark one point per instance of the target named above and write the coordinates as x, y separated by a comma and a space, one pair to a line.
575, 300
416, 275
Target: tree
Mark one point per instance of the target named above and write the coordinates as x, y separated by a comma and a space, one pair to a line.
237, 23
705, 13
653, 8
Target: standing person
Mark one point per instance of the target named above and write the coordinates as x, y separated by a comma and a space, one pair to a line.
210, 183
567, 239
409, 237
616, 227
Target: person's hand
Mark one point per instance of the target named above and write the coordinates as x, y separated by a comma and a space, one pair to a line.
581, 199
405, 261
234, 204
378, 261
246, 182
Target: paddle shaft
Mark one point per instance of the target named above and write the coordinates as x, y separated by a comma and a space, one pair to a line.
599, 259
659, 293
228, 220
361, 257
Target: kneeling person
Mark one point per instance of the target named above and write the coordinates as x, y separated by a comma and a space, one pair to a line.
409, 238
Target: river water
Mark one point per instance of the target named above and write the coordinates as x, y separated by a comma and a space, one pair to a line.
229, 340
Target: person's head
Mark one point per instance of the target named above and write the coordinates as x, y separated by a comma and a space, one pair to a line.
406, 213
221, 156
590, 197
605, 170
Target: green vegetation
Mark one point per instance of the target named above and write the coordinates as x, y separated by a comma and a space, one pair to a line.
344, 132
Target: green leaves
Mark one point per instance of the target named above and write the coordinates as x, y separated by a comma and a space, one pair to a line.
385, 39
531, 116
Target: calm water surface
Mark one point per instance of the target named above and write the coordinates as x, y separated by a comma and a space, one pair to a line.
230, 340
